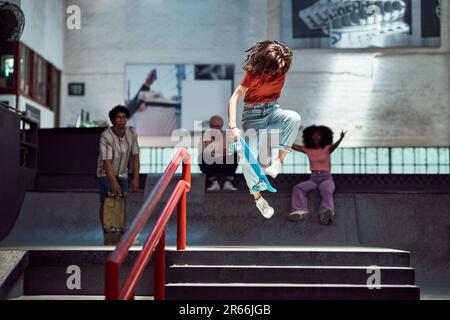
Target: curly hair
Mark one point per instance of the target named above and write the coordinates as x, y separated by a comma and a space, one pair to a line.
118, 109
270, 57
325, 132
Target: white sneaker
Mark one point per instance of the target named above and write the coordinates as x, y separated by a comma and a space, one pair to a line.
264, 207
215, 186
228, 186
274, 169
298, 215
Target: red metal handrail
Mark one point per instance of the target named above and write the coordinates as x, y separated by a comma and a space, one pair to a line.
156, 240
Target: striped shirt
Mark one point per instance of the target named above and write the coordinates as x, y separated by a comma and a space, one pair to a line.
118, 150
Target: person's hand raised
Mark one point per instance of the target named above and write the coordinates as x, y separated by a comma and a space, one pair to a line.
151, 78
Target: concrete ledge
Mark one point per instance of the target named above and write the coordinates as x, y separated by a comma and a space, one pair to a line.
233, 219
413, 222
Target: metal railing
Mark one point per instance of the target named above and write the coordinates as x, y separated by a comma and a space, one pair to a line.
156, 240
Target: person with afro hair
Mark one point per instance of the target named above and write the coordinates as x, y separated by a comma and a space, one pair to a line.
318, 146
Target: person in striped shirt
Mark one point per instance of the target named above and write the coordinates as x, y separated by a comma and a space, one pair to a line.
118, 145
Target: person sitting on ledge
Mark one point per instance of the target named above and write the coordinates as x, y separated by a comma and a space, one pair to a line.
318, 145
215, 160
117, 144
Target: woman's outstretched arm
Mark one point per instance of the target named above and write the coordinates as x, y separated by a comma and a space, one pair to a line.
337, 143
298, 148
232, 104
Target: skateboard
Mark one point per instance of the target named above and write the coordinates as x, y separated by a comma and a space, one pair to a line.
113, 218
263, 183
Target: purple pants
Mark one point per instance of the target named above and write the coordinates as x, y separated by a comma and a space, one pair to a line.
318, 180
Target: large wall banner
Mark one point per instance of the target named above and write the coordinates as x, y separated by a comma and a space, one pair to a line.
360, 24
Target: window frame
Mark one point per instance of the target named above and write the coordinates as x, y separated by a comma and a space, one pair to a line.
14, 47
55, 106
38, 59
33, 58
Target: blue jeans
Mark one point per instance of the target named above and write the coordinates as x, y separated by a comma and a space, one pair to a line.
267, 116
105, 186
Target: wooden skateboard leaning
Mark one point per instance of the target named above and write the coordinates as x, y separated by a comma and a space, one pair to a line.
113, 219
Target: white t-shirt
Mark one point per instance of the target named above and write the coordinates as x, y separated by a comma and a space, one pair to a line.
118, 150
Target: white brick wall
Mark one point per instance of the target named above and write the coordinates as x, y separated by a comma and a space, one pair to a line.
44, 28
390, 97
44, 33
117, 32
383, 97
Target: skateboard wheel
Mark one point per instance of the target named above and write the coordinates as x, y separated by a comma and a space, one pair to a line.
260, 186
235, 146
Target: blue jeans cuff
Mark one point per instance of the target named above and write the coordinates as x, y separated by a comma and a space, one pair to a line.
285, 148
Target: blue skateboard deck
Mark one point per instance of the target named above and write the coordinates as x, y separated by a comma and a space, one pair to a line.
264, 183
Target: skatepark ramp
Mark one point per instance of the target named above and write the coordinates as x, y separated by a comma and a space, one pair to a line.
18, 135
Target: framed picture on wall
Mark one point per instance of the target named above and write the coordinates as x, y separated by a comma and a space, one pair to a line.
76, 89
165, 97
356, 24
215, 72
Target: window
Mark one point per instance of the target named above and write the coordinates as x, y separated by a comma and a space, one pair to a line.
7, 65
380, 160
26, 60
54, 92
24, 72
38, 79
40, 92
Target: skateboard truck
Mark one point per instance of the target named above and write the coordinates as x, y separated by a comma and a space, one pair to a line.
121, 195
260, 186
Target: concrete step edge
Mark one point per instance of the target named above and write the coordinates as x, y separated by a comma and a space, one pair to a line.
194, 266
71, 297
309, 249
283, 285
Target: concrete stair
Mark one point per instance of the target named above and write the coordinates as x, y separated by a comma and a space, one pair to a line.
286, 274
223, 273
44, 273
289, 273
286, 291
